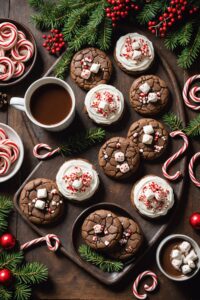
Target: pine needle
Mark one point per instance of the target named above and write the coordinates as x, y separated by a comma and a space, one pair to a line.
10, 260
149, 11
173, 121
193, 128
5, 294
22, 291
98, 260
31, 273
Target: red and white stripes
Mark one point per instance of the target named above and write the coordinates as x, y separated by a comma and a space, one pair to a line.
47, 155
147, 288
191, 169
175, 156
47, 238
191, 94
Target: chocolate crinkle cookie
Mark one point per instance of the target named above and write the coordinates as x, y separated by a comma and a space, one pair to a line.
150, 136
149, 95
101, 230
130, 241
90, 67
119, 157
41, 202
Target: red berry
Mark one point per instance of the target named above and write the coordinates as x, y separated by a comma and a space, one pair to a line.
136, 7
44, 44
170, 24
57, 49
56, 30
160, 18
153, 31
162, 35
44, 36
52, 30
49, 36
165, 15
180, 17
108, 15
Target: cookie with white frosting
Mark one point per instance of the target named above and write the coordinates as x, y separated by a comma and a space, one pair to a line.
152, 196
119, 158
77, 180
134, 53
104, 104
150, 136
149, 95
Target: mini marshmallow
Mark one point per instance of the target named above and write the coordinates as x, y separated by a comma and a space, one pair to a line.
136, 45
186, 269
41, 193
88, 58
149, 194
152, 97
176, 254
77, 184
95, 68
119, 156
136, 54
103, 105
148, 129
40, 204
106, 243
98, 228
191, 256
185, 247
85, 74
147, 139
176, 263
158, 196
191, 264
124, 168
144, 88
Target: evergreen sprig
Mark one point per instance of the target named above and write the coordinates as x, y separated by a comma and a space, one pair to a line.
22, 291
31, 273
149, 11
99, 260
193, 128
82, 141
5, 209
173, 121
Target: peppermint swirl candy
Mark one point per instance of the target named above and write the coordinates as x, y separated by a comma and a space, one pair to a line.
22, 51
19, 69
2, 52
8, 35
7, 68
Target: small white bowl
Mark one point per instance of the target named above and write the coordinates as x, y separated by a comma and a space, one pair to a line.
184, 238
12, 135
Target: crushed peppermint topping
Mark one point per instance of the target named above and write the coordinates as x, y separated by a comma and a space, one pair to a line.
129, 52
78, 175
105, 103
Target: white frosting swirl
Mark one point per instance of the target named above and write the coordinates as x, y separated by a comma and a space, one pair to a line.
129, 63
164, 202
112, 111
80, 167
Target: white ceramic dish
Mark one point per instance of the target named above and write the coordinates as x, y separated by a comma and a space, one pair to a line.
12, 134
181, 237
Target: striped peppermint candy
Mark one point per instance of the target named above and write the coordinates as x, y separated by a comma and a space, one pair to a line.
175, 156
8, 68
22, 51
40, 147
13, 147
8, 35
47, 238
5, 163
191, 169
192, 93
19, 69
3, 134
2, 52
147, 288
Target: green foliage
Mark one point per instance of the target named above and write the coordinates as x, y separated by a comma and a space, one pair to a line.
10, 260
98, 260
5, 294
149, 11
173, 121
81, 141
193, 128
22, 291
5, 209
31, 273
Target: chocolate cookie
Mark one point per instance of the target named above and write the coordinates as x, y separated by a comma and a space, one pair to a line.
149, 95
130, 241
41, 202
90, 67
101, 230
119, 157
150, 136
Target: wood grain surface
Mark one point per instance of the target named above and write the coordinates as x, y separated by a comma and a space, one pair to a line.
68, 281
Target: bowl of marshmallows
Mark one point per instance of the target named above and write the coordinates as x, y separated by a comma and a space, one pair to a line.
178, 257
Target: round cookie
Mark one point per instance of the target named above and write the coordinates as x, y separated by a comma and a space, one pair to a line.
152, 196
119, 158
150, 136
149, 95
104, 104
134, 53
130, 241
41, 202
77, 180
101, 230
90, 67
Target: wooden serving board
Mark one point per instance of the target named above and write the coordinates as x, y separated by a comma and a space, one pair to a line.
111, 191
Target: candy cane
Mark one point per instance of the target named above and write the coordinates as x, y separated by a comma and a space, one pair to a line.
13, 146
47, 238
175, 156
2, 52
192, 93
4, 163
191, 169
147, 288
21, 35
51, 152
3, 134
8, 70
19, 69
8, 35
22, 51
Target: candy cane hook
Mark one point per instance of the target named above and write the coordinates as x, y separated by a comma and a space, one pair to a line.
192, 93
49, 154
191, 169
47, 238
147, 288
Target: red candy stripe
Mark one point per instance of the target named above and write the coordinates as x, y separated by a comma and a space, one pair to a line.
3, 134
192, 93
147, 288
191, 169
22, 51
4, 163
47, 239
50, 153
8, 35
9, 68
19, 69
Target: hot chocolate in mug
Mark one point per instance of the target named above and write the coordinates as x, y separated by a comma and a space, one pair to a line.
49, 103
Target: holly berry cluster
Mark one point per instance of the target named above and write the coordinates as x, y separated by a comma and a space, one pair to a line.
54, 42
176, 11
119, 9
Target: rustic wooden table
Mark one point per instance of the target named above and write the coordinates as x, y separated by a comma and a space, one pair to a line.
68, 281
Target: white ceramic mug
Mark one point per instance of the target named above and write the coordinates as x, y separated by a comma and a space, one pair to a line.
24, 103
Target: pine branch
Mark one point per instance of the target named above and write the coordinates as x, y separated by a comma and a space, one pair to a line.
185, 35
5, 294
80, 142
193, 128
36, 4
5, 209
63, 65
149, 11
98, 260
22, 291
173, 121
10, 260
105, 35
31, 273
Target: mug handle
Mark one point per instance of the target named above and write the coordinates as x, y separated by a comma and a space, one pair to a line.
18, 103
